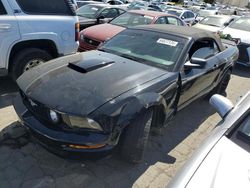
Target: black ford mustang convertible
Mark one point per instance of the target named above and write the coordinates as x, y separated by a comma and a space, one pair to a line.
136, 81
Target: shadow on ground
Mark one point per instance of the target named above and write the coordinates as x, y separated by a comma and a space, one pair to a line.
8, 89
29, 164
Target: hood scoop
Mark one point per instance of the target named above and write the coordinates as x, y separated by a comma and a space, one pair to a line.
89, 65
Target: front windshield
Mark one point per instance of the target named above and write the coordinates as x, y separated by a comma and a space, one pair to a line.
214, 21
241, 24
88, 11
159, 49
174, 12
132, 19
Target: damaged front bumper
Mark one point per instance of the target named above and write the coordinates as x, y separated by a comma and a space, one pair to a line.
61, 141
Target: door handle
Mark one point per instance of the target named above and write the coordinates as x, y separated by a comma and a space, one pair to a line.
5, 26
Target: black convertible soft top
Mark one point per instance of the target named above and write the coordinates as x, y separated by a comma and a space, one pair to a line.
182, 31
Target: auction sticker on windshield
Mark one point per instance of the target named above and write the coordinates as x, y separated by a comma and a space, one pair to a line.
167, 42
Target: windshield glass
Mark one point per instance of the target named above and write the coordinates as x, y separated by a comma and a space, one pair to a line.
214, 21
132, 19
241, 24
159, 50
88, 11
174, 12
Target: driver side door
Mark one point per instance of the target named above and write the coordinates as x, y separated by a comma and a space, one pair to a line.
198, 81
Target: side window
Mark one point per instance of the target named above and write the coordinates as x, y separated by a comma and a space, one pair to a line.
172, 21
161, 20
204, 49
190, 15
185, 15
46, 7
2, 9
110, 13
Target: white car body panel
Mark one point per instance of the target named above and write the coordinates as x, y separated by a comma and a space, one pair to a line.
227, 165
207, 27
236, 33
219, 162
24, 27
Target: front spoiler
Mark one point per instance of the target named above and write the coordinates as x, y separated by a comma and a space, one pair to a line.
59, 141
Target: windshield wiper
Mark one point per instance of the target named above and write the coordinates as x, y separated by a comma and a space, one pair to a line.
131, 57
213, 25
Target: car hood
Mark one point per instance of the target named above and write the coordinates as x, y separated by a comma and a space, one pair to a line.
236, 33
207, 27
227, 165
80, 83
103, 31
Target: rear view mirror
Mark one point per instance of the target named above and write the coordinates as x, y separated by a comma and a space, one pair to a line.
195, 63
221, 104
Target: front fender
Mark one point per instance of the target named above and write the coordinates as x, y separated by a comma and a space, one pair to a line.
121, 113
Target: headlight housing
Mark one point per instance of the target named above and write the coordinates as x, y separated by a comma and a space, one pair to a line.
81, 36
54, 116
84, 123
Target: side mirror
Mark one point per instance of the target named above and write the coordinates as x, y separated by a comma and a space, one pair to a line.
99, 19
226, 24
195, 63
182, 17
221, 104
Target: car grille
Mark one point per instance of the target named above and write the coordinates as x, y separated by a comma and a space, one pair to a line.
243, 54
38, 110
91, 41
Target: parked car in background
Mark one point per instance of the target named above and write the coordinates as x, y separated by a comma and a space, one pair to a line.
93, 14
116, 94
223, 159
33, 32
240, 28
186, 15
201, 14
92, 37
82, 3
143, 5
215, 23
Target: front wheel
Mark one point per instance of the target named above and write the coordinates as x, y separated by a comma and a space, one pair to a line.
135, 138
27, 59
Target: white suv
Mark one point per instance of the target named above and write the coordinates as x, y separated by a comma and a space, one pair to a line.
33, 32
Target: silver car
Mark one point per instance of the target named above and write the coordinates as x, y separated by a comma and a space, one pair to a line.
224, 158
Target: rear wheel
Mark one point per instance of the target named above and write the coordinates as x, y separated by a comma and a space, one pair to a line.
135, 137
27, 59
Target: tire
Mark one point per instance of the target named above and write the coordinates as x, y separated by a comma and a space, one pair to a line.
224, 83
222, 86
135, 138
26, 56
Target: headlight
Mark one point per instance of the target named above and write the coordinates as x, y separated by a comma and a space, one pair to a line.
79, 122
55, 118
81, 36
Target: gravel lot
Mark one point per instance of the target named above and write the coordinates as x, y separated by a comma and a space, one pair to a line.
24, 163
